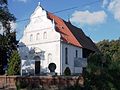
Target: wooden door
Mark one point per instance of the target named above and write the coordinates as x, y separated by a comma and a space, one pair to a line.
37, 67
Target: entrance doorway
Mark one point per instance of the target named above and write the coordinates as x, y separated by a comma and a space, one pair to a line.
37, 65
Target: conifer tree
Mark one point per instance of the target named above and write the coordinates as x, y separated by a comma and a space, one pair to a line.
8, 38
14, 64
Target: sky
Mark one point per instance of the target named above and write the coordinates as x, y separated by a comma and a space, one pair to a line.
99, 19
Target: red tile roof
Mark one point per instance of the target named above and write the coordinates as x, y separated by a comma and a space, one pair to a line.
66, 34
71, 34
84, 40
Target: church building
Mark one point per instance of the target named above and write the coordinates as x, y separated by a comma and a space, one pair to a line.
49, 39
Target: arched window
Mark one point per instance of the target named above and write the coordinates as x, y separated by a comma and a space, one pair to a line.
0, 27
44, 35
49, 57
37, 36
31, 37
76, 53
66, 55
37, 58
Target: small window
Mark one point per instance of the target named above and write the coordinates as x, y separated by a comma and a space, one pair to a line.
0, 27
49, 57
66, 55
76, 53
37, 36
44, 35
31, 37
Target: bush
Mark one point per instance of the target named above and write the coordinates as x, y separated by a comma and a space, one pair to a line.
14, 64
52, 67
67, 71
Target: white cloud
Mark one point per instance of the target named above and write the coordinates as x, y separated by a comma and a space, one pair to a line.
114, 7
86, 17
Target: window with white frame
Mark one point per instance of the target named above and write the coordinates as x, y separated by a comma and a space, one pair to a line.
37, 36
45, 35
31, 37
49, 57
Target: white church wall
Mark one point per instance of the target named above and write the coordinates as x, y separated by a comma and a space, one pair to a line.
47, 40
71, 55
52, 48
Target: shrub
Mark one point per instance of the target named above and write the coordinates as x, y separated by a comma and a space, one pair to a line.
14, 64
52, 67
67, 71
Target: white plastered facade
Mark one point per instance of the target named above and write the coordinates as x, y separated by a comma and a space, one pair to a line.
41, 39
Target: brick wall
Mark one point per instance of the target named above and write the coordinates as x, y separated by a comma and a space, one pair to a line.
40, 81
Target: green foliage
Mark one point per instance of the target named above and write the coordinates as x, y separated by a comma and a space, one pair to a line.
96, 74
75, 87
52, 67
67, 71
8, 39
114, 71
103, 70
14, 64
111, 48
3, 2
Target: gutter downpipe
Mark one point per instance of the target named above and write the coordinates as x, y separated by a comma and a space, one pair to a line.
60, 58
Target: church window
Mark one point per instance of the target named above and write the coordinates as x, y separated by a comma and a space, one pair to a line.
49, 57
37, 36
44, 35
0, 27
76, 53
31, 37
66, 55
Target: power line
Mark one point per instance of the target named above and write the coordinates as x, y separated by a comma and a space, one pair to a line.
61, 10
76, 7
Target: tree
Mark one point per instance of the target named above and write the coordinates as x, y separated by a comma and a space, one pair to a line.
14, 64
8, 39
103, 70
111, 48
97, 75
114, 71
3, 55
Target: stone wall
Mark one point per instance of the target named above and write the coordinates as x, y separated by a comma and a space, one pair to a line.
44, 82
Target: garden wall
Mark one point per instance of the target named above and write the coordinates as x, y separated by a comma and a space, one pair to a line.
43, 82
